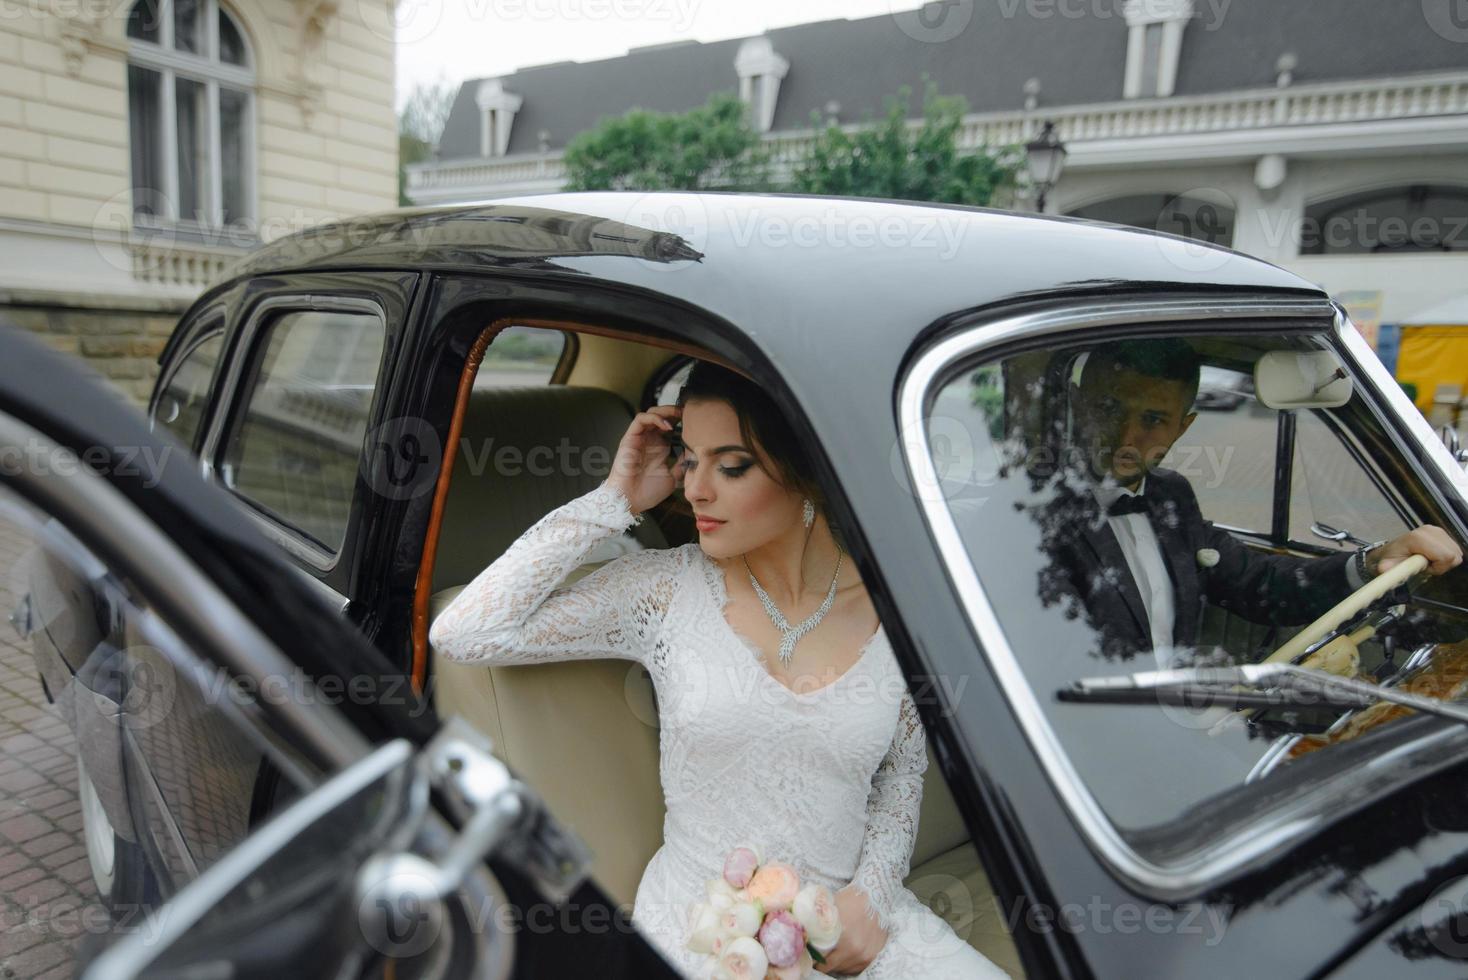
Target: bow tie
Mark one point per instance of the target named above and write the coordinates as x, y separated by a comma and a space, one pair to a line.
1128, 503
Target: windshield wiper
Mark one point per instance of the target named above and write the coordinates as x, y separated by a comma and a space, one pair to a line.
1276, 684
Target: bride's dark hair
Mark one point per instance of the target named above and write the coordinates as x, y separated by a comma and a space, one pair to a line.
763, 428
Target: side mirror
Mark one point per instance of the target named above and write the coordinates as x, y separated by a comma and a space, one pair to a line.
1286, 379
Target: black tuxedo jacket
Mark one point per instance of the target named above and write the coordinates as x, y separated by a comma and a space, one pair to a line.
1087, 563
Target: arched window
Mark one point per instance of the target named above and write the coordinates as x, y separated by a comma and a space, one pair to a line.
1412, 218
1192, 216
191, 114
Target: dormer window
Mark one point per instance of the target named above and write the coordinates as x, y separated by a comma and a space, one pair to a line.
760, 71
497, 110
1154, 44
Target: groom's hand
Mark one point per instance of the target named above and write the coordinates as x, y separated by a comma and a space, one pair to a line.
861, 937
1432, 542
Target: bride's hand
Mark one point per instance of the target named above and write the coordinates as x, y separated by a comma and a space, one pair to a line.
861, 937
641, 468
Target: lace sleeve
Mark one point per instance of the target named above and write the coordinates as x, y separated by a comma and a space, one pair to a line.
513, 612
892, 815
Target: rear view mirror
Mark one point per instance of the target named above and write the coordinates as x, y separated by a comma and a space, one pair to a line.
1301, 379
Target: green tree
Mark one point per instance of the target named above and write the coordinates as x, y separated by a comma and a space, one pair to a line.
420, 124
895, 159
710, 146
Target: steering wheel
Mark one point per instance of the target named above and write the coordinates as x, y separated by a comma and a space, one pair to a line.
1347, 608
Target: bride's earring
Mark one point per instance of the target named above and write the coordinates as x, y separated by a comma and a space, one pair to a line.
810, 512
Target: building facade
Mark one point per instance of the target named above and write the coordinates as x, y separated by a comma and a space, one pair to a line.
145, 144
1327, 136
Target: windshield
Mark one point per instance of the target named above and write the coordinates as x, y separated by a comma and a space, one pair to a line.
1136, 505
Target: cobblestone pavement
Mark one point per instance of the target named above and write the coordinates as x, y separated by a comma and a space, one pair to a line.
47, 898
46, 890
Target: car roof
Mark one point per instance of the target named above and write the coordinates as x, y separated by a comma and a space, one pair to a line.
976, 256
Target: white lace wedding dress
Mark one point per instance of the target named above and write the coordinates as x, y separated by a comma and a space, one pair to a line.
828, 779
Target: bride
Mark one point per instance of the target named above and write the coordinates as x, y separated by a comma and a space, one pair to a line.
785, 720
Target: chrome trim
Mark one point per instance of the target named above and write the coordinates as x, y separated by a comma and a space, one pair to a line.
134, 953
293, 542
1223, 856
308, 551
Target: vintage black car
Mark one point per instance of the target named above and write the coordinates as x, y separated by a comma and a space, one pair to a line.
231, 602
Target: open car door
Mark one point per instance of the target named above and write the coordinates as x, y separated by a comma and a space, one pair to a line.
261, 794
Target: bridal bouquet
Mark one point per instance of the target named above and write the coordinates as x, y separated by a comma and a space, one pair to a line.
759, 923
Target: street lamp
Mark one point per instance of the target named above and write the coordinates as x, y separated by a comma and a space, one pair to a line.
1046, 155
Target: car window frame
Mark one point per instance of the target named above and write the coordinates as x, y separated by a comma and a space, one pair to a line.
232, 405
987, 336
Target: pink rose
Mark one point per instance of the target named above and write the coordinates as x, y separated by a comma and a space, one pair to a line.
782, 937
740, 865
776, 884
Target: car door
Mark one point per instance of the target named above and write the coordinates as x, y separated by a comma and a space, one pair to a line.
403, 841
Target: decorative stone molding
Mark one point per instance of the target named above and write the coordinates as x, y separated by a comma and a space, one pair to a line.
760, 71
79, 27
497, 109
313, 18
1270, 172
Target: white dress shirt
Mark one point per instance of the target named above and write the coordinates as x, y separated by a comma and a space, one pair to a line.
1143, 554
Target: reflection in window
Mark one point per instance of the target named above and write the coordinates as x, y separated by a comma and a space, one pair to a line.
297, 449
180, 407
520, 356
137, 701
1037, 455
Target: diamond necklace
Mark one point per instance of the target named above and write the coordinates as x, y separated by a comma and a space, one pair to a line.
789, 634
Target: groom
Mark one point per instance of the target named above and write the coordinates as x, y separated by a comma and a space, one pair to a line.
1133, 546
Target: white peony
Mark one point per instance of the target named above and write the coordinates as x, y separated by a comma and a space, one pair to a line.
745, 959
705, 930
742, 918
721, 894
815, 909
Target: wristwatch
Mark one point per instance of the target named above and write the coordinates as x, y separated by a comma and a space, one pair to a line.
1360, 560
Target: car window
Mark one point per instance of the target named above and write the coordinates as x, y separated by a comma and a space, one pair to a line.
1034, 457
295, 450
1336, 484
520, 356
185, 393
128, 768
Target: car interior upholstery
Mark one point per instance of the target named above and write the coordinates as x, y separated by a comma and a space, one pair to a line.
584, 733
